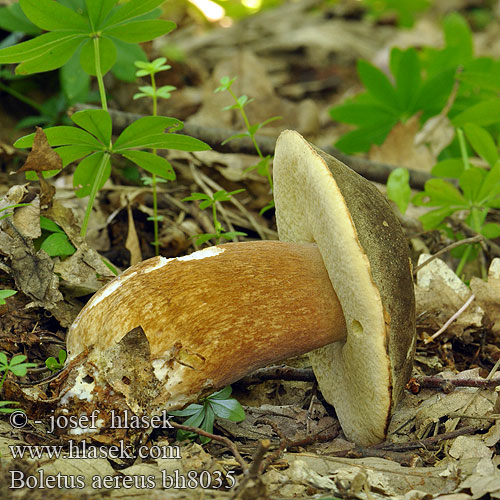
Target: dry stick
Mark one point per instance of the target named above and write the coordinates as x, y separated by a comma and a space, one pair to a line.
222, 439
436, 382
447, 248
375, 171
451, 320
424, 443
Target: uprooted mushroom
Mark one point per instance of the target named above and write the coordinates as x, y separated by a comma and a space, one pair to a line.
338, 284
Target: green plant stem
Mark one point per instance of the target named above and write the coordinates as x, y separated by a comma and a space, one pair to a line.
216, 223
20, 97
3, 379
463, 148
98, 74
252, 136
154, 183
463, 260
93, 193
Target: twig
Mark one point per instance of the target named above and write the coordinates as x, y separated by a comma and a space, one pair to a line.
375, 171
447, 248
436, 382
424, 443
222, 439
451, 320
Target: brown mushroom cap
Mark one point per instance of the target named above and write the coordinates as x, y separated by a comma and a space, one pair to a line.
319, 199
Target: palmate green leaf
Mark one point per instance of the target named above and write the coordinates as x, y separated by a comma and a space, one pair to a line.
98, 10
206, 203
126, 54
140, 31
62, 136
4, 362
95, 121
197, 196
69, 154
164, 141
221, 394
491, 185
145, 127
203, 238
434, 93
107, 55
154, 164
377, 84
131, 10
232, 234
75, 82
398, 188
86, 172
50, 15
482, 142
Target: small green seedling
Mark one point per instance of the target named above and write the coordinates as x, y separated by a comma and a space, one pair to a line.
154, 93
54, 364
211, 201
19, 368
54, 240
263, 167
203, 415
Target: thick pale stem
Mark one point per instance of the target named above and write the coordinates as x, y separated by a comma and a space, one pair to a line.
218, 314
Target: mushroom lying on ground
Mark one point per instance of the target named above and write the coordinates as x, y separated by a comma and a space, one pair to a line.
213, 316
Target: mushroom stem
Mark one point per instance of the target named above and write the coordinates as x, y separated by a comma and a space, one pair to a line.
218, 314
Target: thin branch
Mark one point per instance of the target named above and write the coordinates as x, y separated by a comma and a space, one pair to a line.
447, 248
222, 439
447, 385
374, 171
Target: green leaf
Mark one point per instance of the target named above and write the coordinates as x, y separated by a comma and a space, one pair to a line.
483, 113
377, 83
95, 121
197, 196
49, 225
57, 244
145, 127
132, 9
107, 55
152, 163
203, 238
12, 18
164, 141
86, 171
50, 15
491, 185
140, 31
126, 54
470, 181
228, 408
434, 93
363, 138
98, 10
192, 409
75, 83
205, 204
440, 192
398, 188
3, 295
408, 80
482, 142
235, 136
60, 136
451, 167
31, 48
491, 230
362, 114
70, 154
222, 394
431, 220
